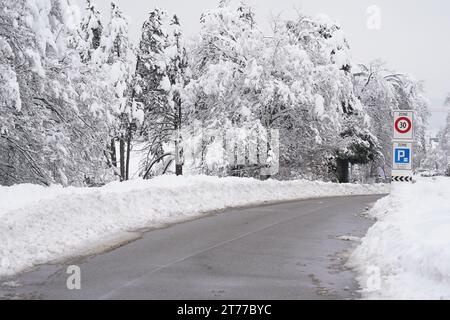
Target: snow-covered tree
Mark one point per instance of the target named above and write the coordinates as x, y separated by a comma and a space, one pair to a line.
382, 91
296, 81
161, 77
89, 35
375, 86
118, 61
223, 57
150, 74
224, 92
440, 156
54, 131
76, 97
437, 159
177, 73
326, 114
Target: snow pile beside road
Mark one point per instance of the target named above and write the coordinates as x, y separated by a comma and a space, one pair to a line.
24, 195
406, 254
39, 224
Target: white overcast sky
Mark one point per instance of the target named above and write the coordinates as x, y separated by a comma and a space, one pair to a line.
414, 35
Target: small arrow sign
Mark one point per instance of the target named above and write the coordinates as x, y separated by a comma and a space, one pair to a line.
402, 179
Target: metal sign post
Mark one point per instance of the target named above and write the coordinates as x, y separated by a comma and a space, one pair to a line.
402, 153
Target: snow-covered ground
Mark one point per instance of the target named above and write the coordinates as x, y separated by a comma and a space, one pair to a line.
406, 254
39, 224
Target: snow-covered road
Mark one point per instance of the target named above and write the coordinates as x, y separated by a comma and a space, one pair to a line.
39, 225
293, 250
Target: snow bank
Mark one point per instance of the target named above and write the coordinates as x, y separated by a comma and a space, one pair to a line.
406, 254
39, 224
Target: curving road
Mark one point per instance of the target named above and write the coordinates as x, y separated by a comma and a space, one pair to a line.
291, 250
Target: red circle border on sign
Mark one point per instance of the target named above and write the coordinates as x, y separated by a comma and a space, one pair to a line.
409, 125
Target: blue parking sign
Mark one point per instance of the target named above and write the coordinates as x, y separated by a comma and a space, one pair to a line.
402, 156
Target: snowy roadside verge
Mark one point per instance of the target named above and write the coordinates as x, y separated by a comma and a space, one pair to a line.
39, 224
406, 253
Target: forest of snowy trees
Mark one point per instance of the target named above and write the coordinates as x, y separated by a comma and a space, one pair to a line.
81, 104
437, 160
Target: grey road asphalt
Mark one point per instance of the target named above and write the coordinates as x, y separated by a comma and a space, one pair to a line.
291, 250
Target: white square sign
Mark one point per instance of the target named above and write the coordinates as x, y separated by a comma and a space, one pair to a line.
402, 156
403, 125
402, 161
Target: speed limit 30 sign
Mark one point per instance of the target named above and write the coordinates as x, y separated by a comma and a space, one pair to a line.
403, 125
402, 155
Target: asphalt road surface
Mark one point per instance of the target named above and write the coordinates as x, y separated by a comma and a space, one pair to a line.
292, 250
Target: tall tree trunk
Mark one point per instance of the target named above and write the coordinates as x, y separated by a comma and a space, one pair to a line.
178, 164
178, 149
343, 172
267, 172
122, 158
127, 170
113, 153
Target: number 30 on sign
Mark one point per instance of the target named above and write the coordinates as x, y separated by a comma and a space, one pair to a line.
403, 125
